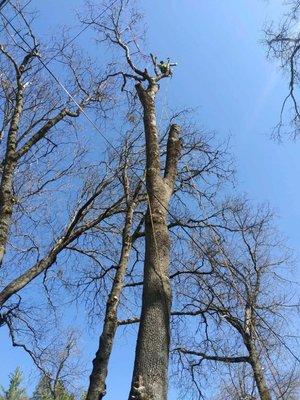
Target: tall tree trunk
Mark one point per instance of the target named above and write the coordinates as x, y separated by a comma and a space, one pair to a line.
97, 386
150, 375
249, 335
259, 377
255, 363
6, 185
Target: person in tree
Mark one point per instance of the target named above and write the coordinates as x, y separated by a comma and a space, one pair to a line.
165, 67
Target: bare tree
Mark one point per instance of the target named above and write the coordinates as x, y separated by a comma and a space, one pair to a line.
97, 386
244, 308
203, 161
283, 43
50, 195
122, 240
238, 383
152, 350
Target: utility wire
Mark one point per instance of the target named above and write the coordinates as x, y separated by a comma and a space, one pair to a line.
25, 5
3, 3
115, 149
68, 42
97, 129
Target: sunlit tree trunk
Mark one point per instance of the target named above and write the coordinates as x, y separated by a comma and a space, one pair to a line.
6, 185
150, 379
258, 372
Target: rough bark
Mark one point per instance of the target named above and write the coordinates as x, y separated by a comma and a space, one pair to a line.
10, 162
11, 157
150, 379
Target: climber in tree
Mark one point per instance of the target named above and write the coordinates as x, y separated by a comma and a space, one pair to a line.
165, 67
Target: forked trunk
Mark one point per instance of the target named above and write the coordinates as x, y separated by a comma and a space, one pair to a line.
150, 376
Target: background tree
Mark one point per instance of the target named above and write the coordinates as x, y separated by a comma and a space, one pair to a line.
47, 201
238, 383
283, 43
244, 316
44, 391
15, 390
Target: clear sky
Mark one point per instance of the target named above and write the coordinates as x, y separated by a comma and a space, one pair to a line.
223, 71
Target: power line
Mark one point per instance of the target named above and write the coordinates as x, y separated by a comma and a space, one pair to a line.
3, 3
88, 117
113, 147
21, 9
68, 42
96, 127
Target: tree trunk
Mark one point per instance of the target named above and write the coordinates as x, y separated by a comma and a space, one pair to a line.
97, 386
256, 366
258, 374
249, 335
6, 185
150, 375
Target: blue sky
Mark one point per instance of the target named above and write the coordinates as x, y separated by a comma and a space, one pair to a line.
223, 72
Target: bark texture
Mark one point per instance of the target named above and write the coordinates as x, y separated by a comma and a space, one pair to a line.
10, 162
150, 380
11, 156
